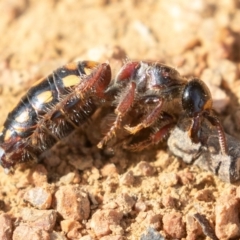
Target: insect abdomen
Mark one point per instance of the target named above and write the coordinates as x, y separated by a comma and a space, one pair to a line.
50, 110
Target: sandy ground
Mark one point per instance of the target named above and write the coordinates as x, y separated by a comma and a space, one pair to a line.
80, 192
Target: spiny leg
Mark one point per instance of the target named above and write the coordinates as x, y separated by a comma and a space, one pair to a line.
196, 127
148, 120
123, 107
221, 135
157, 136
153, 139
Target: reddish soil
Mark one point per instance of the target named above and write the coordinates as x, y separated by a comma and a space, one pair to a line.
77, 192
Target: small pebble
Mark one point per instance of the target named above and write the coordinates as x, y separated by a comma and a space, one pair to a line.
44, 219
111, 184
24, 232
186, 177
140, 206
173, 225
193, 228
109, 169
102, 221
168, 179
169, 201
69, 178
205, 195
150, 218
152, 234
39, 175
125, 203
112, 237
6, 227
38, 197
127, 178
71, 228
162, 160
72, 203
227, 218
145, 169
207, 227
57, 236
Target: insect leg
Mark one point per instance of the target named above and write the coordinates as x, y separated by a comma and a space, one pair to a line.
97, 80
123, 107
194, 133
155, 137
148, 120
221, 135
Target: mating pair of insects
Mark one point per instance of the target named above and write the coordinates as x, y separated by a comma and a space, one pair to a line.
145, 96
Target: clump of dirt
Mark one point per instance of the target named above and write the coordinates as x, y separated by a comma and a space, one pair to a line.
80, 192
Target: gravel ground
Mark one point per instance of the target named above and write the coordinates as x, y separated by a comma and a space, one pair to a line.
80, 192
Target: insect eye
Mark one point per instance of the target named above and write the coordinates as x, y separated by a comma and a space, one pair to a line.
196, 97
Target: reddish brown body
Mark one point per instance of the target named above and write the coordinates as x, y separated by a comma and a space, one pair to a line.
145, 95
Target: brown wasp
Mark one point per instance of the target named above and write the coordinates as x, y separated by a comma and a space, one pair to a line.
144, 95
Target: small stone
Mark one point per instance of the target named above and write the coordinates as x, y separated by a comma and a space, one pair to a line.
109, 169
116, 237
29, 233
141, 217
127, 178
173, 225
39, 175
193, 228
57, 236
206, 225
5, 227
152, 219
110, 204
162, 160
169, 201
186, 177
168, 179
23, 180
104, 221
145, 169
205, 195
140, 206
44, 219
71, 228
111, 183
227, 219
125, 203
72, 203
69, 178
152, 234
38, 197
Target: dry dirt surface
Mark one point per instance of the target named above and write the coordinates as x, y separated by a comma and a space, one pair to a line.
79, 192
